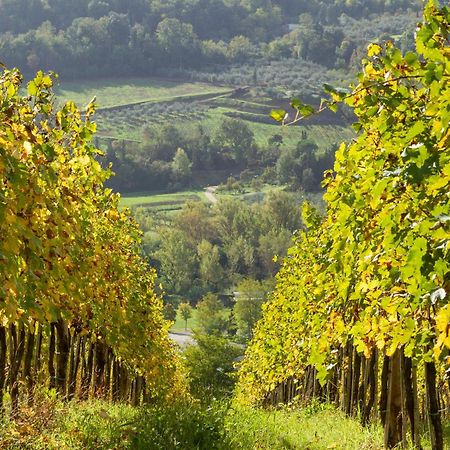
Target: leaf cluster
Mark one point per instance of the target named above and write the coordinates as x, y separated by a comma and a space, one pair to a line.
374, 272
66, 251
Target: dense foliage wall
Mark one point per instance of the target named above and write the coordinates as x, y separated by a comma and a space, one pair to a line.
73, 285
95, 38
368, 285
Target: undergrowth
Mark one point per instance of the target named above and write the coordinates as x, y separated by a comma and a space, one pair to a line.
186, 425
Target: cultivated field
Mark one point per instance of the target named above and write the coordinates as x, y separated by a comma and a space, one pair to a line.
160, 201
127, 106
113, 92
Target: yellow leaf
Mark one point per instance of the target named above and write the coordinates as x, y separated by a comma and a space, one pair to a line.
28, 148
373, 50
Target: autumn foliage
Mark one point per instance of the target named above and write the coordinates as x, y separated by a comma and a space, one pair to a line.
77, 304
368, 285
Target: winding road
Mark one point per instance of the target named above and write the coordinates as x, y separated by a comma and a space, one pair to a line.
182, 339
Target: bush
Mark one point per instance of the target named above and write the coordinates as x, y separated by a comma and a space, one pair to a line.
211, 365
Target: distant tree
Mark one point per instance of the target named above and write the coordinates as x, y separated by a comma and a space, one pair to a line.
292, 163
118, 27
161, 143
211, 315
235, 218
230, 183
265, 22
177, 39
249, 296
239, 49
195, 221
240, 254
280, 210
256, 184
278, 48
214, 51
169, 312
285, 166
185, 310
309, 181
235, 136
178, 261
210, 269
303, 36
210, 363
181, 166
269, 154
271, 244
98, 8
275, 140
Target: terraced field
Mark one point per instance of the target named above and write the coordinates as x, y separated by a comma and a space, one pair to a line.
126, 107
113, 93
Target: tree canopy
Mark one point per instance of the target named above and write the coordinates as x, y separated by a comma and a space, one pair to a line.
92, 38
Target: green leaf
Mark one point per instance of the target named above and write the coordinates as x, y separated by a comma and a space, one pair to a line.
372, 111
415, 130
11, 90
306, 110
333, 107
296, 103
32, 88
410, 58
329, 89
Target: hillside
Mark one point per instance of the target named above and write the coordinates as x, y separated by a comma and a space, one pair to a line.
297, 242
114, 38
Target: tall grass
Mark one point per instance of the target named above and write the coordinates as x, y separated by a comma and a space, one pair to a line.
185, 425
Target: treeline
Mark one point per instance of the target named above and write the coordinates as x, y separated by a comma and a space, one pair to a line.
360, 315
78, 312
93, 38
170, 158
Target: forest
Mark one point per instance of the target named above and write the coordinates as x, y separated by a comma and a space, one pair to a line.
85, 38
168, 159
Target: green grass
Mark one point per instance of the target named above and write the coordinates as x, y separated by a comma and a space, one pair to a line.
323, 135
180, 326
128, 121
97, 425
123, 91
192, 323
186, 425
159, 201
249, 194
324, 428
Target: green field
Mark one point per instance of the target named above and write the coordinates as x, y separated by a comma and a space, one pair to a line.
160, 201
118, 91
154, 209
180, 326
127, 106
169, 203
192, 323
324, 135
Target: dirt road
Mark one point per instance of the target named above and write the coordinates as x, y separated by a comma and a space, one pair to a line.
209, 192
